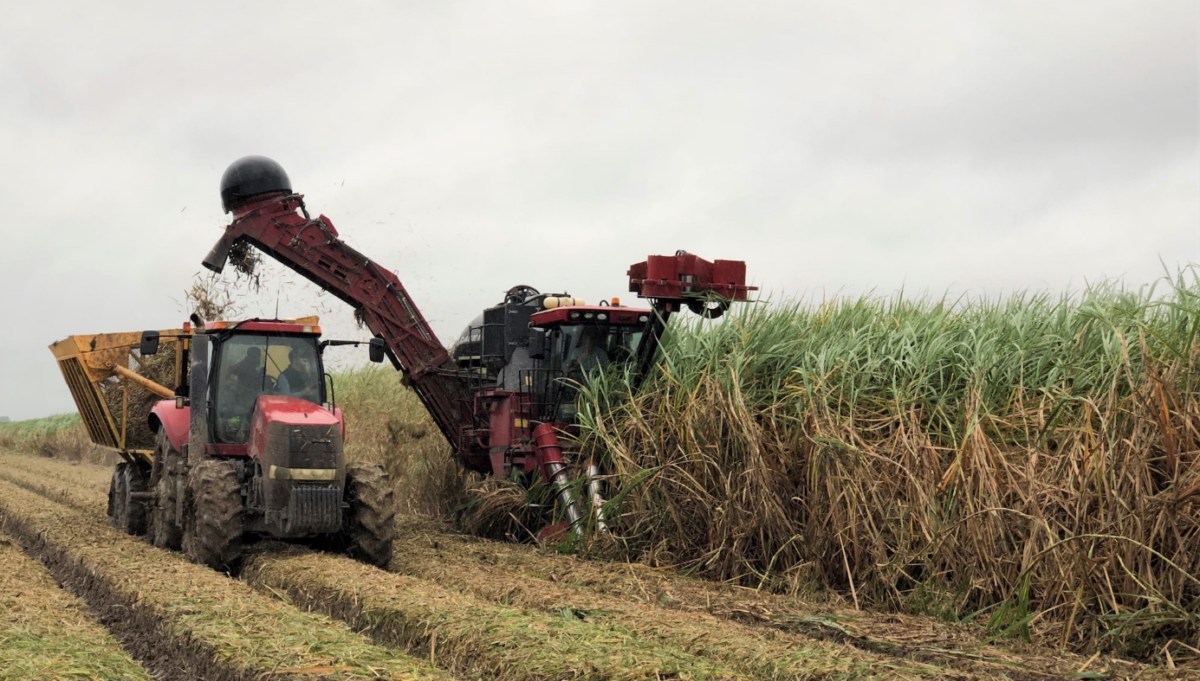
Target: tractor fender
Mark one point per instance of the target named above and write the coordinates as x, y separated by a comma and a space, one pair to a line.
166, 416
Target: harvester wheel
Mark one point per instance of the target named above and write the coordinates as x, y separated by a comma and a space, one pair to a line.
131, 515
369, 526
214, 516
165, 531
117, 493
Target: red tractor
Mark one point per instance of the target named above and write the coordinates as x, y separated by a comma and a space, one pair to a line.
506, 392
251, 446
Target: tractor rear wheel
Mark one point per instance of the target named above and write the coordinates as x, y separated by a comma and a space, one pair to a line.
131, 513
369, 526
117, 492
165, 530
214, 515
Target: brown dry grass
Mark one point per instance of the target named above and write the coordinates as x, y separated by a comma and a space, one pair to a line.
754, 650
666, 588
87, 499
372, 601
93, 476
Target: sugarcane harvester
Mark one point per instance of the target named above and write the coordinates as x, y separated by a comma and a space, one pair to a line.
505, 392
227, 433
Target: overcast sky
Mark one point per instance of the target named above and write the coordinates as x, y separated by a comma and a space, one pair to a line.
837, 147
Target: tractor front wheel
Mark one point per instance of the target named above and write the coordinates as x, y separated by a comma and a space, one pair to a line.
214, 516
369, 526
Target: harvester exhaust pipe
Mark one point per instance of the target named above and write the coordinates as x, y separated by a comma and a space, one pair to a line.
550, 457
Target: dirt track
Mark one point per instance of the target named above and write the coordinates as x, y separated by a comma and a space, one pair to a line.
458, 607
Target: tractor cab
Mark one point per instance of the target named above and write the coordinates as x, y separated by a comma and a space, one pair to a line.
256, 358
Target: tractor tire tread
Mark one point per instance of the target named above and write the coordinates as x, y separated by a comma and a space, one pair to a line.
165, 530
215, 516
370, 526
133, 513
116, 494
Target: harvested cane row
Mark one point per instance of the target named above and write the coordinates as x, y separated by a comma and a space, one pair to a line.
773, 652
473, 635
466, 634
403, 611
426, 548
46, 633
65, 471
392, 608
922, 638
186, 621
89, 499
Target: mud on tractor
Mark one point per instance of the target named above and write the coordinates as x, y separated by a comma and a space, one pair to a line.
504, 394
248, 443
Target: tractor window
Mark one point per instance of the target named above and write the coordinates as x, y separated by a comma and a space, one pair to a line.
250, 365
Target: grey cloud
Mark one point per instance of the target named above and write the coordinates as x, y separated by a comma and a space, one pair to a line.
975, 146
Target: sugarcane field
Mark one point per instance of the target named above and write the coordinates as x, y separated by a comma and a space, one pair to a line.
635, 341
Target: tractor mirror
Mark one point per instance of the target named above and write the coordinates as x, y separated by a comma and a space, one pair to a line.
149, 344
376, 349
537, 344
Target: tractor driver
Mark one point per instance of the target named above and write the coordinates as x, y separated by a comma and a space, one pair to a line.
251, 362
300, 378
245, 382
